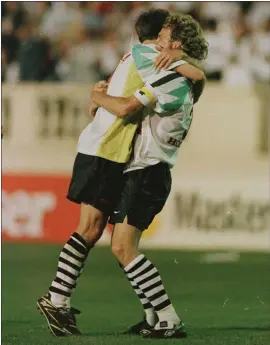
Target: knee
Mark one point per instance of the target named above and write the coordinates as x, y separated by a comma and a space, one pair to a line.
119, 251
123, 253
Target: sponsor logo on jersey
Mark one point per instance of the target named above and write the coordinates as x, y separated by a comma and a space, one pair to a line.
174, 142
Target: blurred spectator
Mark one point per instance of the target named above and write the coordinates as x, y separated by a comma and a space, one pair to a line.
59, 19
83, 59
93, 19
216, 59
246, 6
110, 55
4, 64
69, 41
62, 68
139, 6
238, 71
220, 10
175, 6
105, 7
261, 53
121, 20
32, 56
9, 40
260, 67
37, 11
184, 6
13, 11
9, 71
258, 13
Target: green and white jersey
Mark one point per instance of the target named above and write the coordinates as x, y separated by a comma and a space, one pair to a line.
165, 123
110, 137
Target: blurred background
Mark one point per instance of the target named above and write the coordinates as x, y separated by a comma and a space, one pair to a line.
52, 53
83, 41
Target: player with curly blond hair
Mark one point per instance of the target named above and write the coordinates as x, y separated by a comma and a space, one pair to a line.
167, 99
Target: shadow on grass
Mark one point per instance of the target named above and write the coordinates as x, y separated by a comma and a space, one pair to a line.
193, 331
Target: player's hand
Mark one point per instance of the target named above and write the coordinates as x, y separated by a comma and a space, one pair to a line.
101, 86
93, 109
167, 57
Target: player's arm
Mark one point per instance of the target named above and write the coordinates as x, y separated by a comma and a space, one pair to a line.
190, 72
195, 73
148, 60
119, 106
191, 69
147, 95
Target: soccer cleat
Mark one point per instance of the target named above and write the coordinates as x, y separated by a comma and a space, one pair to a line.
61, 321
141, 328
166, 330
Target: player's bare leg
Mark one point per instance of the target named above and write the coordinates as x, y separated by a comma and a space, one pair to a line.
55, 306
146, 281
125, 243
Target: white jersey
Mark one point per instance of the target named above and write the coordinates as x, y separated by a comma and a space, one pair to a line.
110, 137
165, 125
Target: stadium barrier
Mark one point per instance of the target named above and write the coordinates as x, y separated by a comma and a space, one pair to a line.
220, 194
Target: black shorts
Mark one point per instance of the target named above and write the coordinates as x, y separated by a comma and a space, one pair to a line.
96, 181
144, 195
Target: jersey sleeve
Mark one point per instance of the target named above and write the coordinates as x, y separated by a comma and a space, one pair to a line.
144, 56
167, 93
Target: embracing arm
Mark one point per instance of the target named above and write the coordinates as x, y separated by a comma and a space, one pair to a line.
190, 72
191, 69
119, 106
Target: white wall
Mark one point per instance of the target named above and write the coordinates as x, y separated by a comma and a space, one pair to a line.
224, 129
218, 166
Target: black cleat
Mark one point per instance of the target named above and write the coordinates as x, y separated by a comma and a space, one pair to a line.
140, 328
166, 330
61, 321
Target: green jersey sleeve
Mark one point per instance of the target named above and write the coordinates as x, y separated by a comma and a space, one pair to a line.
144, 56
168, 93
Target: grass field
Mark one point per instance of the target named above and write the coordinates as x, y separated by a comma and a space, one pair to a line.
109, 306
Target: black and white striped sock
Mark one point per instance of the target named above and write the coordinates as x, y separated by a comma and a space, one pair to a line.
150, 313
70, 266
145, 278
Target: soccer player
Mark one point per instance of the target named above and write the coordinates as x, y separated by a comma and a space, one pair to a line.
104, 148
147, 175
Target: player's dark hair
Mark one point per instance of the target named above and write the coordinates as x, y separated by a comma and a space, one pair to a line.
187, 30
149, 24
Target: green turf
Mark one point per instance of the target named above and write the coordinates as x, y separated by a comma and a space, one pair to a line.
109, 305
